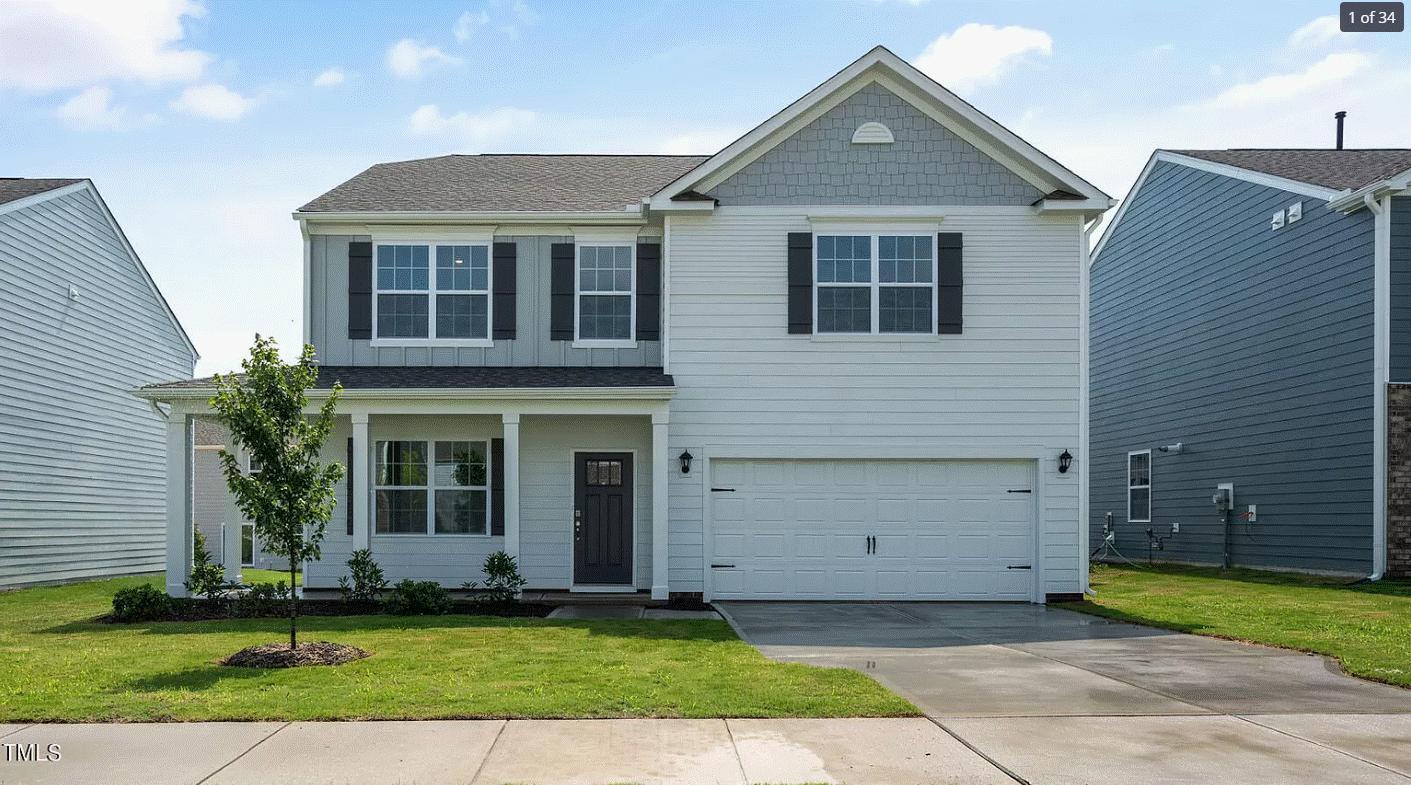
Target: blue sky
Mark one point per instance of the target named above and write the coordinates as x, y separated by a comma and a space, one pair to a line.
205, 124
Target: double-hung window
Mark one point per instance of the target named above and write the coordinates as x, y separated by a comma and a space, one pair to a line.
606, 293
1139, 486
428, 292
875, 283
432, 487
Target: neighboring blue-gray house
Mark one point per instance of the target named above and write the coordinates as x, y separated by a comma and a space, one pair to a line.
1250, 348
83, 465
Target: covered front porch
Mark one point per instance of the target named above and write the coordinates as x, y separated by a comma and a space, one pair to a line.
570, 480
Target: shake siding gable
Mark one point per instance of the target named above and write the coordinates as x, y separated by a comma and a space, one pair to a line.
83, 460
1251, 347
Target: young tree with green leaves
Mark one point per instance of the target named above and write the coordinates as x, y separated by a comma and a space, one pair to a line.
291, 497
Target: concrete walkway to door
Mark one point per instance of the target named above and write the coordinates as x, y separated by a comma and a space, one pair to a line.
1057, 696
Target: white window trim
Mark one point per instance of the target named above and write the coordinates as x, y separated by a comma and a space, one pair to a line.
630, 342
1131, 487
875, 285
431, 291
430, 489
254, 545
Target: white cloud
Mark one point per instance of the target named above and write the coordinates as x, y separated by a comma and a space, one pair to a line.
698, 142
92, 110
472, 129
468, 23
331, 77
1333, 69
213, 101
409, 59
978, 54
1318, 32
55, 44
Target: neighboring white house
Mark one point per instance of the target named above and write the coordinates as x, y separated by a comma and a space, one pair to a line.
83, 473
842, 358
213, 506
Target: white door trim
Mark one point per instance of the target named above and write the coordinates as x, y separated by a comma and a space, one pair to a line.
573, 585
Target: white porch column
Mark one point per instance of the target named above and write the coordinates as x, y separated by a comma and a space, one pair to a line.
511, 436
179, 536
660, 531
359, 479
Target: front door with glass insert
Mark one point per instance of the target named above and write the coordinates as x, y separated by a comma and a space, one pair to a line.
602, 519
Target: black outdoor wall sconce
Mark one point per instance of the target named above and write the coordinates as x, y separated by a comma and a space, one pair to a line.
685, 459
1064, 461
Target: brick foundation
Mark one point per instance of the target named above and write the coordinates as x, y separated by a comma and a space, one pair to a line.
1398, 481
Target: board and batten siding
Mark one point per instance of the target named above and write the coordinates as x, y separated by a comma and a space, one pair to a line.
1400, 367
82, 460
1008, 383
328, 317
1251, 347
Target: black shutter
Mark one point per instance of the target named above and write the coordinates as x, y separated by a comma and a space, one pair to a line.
949, 283
360, 291
497, 487
800, 283
503, 293
648, 292
348, 477
561, 292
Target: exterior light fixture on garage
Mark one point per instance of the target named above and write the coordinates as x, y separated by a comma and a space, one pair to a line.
1065, 459
685, 459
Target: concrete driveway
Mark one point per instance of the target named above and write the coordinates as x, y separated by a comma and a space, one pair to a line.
1056, 696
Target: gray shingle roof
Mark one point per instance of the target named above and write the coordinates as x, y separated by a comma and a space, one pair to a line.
507, 183
370, 377
1340, 169
12, 188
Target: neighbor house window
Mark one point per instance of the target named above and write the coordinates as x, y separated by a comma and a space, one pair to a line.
1139, 486
247, 545
416, 301
875, 283
432, 487
605, 292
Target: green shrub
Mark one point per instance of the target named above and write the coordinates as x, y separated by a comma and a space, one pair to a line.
502, 580
262, 599
365, 581
207, 578
143, 602
418, 598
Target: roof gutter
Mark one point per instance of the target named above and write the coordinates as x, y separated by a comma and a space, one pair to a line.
654, 393
1367, 195
628, 217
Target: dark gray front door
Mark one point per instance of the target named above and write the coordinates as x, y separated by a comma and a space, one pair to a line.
602, 518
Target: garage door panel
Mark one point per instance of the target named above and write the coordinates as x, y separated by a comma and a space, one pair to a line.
943, 529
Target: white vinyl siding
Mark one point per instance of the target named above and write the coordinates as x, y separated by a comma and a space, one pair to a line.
82, 460
1008, 387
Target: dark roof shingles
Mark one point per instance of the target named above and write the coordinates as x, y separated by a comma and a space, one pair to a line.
372, 377
1338, 169
15, 188
507, 183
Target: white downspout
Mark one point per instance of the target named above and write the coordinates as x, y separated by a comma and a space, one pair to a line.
1381, 362
1084, 480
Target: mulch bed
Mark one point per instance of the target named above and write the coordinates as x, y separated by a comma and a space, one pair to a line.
279, 655
216, 610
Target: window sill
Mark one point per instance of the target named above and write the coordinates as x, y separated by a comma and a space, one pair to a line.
873, 337
605, 344
432, 343
425, 536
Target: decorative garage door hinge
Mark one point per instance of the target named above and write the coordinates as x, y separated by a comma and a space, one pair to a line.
1020, 490
722, 490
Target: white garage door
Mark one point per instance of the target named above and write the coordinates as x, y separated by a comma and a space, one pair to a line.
863, 530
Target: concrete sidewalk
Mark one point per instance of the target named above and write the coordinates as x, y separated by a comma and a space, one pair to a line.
493, 752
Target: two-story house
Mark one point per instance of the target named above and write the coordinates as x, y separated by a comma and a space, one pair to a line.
82, 472
840, 359
1251, 361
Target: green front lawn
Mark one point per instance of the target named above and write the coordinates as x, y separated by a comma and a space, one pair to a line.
58, 665
1367, 627
252, 575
